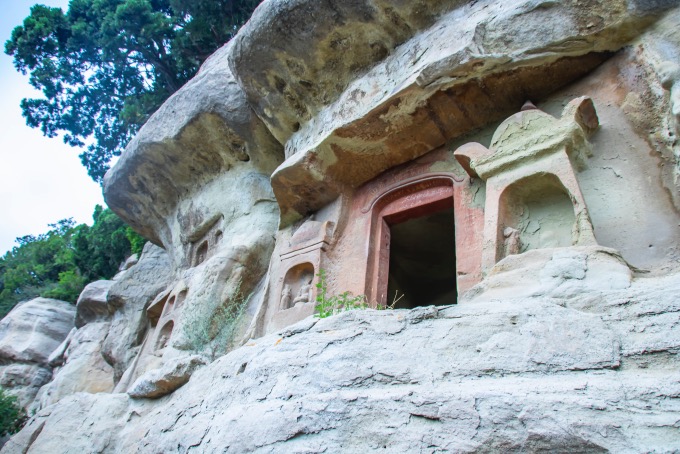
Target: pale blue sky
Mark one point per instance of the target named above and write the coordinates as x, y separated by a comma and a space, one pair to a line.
41, 180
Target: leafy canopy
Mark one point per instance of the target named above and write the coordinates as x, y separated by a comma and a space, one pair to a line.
105, 66
59, 263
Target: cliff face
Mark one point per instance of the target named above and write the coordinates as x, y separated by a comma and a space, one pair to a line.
596, 372
510, 168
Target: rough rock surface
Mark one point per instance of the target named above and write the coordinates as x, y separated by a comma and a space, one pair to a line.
203, 131
84, 368
166, 379
130, 295
555, 272
322, 108
33, 329
24, 380
581, 374
28, 335
92, 303
365, 92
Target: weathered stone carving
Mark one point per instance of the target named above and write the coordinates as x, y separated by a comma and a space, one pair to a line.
298, 265
670, 80
531, 155
304, 294
286, 297
512, 242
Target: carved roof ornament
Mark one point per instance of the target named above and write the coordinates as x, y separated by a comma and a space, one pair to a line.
531, 134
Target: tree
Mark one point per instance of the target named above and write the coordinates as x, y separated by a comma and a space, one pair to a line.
59, 263
105, 66
99, 250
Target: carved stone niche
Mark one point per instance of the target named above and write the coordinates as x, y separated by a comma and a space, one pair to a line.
162, 314
295, 290
204, 240
533, 199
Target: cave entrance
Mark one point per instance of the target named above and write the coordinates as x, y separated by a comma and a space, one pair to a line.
422, 257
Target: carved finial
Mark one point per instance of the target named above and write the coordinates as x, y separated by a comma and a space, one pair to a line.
528, 105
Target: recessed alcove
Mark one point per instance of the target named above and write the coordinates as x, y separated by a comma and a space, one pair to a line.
169, 306
422, 266
538, 212
297, 285
164, 336
201, 253
181, 296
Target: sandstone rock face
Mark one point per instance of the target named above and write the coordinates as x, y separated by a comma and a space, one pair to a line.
94, 356
84, 368
24, 380
92, 303
555, 273
218, 233
370, 92
32, 330
130, 295
518, 374
203, 131
28, 335
164, 380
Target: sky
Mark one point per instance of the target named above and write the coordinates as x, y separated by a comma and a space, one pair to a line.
41, 180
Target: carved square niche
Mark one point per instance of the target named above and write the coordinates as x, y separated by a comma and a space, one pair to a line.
300, 262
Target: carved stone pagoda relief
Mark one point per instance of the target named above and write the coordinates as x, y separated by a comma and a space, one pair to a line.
413, 231
533, 199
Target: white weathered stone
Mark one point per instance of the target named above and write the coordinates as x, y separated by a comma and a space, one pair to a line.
24, 380
33, 329
92, 303
164, 380
556, 273
83, 367
129, 296
566, 349
587, 374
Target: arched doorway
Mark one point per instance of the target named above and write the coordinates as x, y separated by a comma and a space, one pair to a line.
412, 247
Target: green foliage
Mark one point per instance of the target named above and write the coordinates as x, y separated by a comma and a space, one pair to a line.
105, 66
12, 416
136, 240
100, 249
59, 263
213, 326
331, 305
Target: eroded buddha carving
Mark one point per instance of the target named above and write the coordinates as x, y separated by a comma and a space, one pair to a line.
286, 297
304, 294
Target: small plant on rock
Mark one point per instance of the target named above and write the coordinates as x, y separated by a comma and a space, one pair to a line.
213, 327
12, 416
391, 306
331, 305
